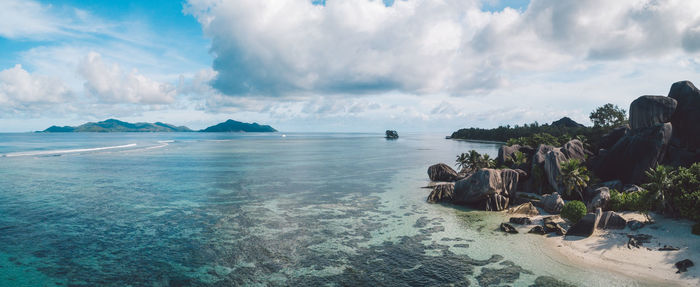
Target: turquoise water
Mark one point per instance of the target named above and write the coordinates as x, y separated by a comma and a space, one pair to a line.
195, 209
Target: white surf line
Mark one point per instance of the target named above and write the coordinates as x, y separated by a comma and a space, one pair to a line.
162, 144
33, 153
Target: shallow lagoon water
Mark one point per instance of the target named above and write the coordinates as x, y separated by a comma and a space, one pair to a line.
196, 209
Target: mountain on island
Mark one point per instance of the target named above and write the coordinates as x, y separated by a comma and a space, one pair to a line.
236, 126
567, 122
112, 125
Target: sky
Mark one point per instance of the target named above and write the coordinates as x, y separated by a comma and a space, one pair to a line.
338, 66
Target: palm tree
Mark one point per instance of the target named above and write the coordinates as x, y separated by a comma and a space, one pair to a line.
462, 160
486, 162
574, 177
659, 183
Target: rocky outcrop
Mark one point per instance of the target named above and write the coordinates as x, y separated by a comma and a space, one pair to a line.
537, 230
552, 203
520, 220
611, 138
524, 209
489, 189
687, 115
683, 265
390, 134
551, 226
442, 172
573, 149
585, 226
635, 153
506, 153
555, 157
507, 228
552, 168
649, 111
611, 220
540, 155
442, 193
600, 199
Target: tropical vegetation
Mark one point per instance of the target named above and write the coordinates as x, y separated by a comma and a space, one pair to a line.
574, 177
573, 211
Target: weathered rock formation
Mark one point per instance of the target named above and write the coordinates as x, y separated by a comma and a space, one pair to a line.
633, 154
600, 198
442, 172
611, 138
489, 189
649, 111
687, 116
611, 220
442, 193
552, 203
524, 209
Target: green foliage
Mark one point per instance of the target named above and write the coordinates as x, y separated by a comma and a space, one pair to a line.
608, 116
537, 139
696, 229
634, 201
474, 160
573, 211
574, 176
518, 158
660, 181
684, 191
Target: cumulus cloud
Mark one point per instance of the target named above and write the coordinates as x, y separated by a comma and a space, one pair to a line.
278, 48
111, 84
24, 93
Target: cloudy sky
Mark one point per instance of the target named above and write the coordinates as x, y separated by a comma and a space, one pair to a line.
337, 65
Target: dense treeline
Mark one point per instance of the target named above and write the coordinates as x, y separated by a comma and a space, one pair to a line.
559, 132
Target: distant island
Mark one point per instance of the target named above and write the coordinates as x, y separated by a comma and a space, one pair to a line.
114, 125
236, 126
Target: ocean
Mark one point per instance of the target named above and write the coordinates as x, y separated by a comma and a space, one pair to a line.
214, 209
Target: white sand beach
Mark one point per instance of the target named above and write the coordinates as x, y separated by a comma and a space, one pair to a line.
608, 250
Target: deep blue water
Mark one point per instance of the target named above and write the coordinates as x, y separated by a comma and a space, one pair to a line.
196, 209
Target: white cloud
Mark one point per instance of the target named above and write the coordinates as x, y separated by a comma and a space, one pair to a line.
111, 84
26, 19
25, 93
276, 48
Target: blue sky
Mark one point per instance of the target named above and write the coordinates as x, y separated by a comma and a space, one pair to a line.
352, 65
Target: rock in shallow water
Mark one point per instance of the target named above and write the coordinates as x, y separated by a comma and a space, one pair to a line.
546, 281
537, 230
489, 189
520, 220
441, 193
683, 265
507, 228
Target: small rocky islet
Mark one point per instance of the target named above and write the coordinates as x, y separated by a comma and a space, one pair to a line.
662, 130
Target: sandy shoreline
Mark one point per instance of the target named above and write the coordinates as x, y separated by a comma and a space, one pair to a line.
607, 250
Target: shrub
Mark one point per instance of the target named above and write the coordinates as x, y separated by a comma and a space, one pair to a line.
696, 229
684, 192
634, 201
573, 211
